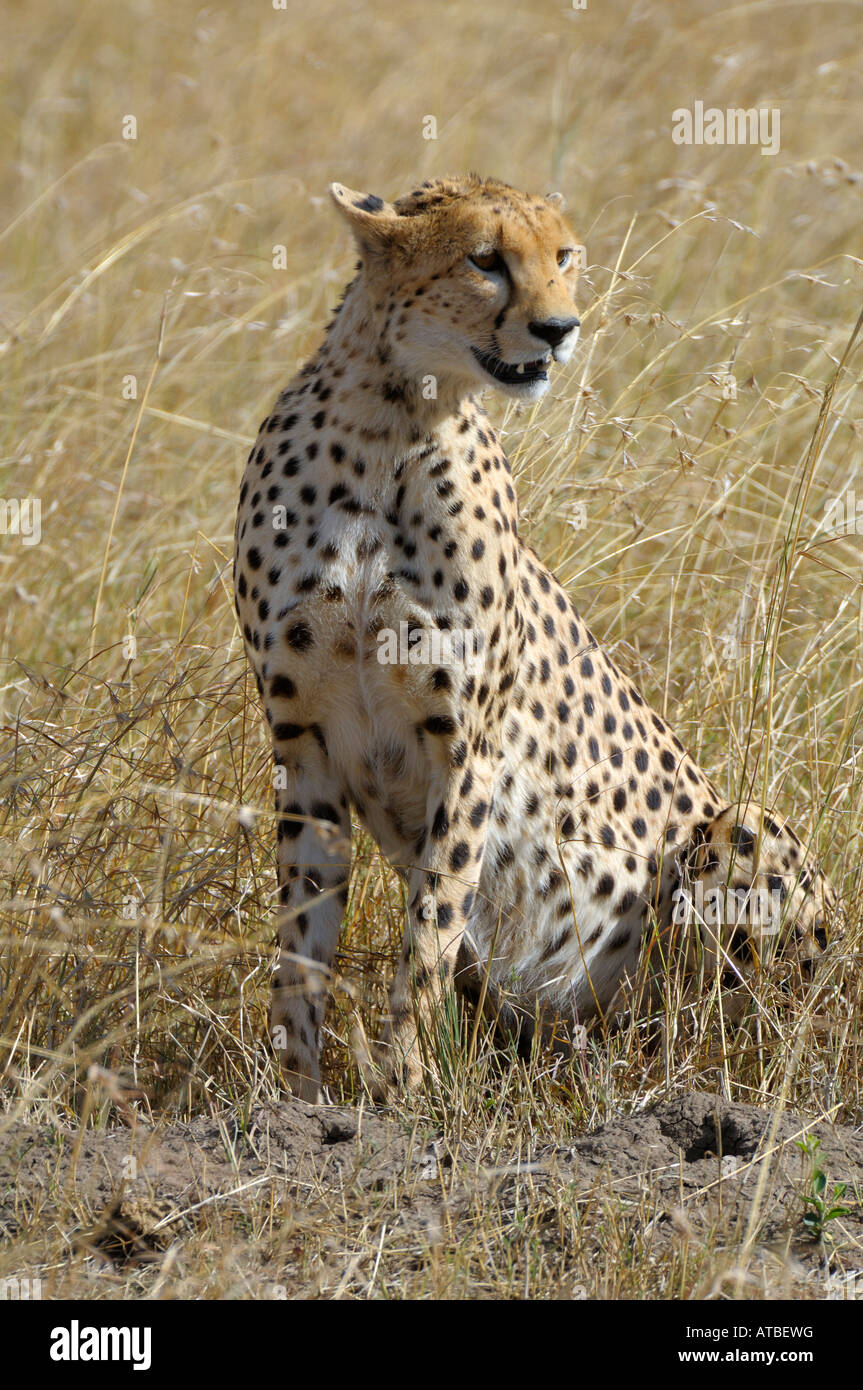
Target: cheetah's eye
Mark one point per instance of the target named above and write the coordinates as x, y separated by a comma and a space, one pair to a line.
488, 261
564, 256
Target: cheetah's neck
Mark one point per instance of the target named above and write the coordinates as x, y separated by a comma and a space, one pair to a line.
390, 414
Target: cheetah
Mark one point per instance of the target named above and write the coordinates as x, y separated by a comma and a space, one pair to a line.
546, 821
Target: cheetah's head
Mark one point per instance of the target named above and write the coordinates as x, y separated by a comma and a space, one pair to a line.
471, 281
761, 904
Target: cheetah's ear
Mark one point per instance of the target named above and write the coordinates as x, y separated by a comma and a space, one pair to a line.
557, 199
374, 223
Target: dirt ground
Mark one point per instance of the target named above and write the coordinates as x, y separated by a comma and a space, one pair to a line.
685, 1167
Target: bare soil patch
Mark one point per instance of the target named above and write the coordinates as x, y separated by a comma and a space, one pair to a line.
683, 1168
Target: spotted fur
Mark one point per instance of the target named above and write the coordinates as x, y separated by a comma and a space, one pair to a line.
542, 814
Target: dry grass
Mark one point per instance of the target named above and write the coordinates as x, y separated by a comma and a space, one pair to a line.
137, 849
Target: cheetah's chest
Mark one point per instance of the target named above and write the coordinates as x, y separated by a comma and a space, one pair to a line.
349, 648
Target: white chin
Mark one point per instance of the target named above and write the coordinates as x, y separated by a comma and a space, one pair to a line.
564, 352
530, 391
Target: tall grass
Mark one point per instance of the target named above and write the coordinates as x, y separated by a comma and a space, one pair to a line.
145, 329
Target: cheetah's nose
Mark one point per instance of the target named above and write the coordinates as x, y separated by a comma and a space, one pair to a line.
553, 331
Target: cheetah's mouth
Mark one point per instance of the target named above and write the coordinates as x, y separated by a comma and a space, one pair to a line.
512, 373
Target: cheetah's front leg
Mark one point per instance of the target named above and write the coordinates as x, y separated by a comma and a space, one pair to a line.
442, 894
314, 854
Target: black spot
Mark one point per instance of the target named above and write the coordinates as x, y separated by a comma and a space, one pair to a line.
743, 839
459, 856
504, 857
777, 885
439, 724
289, 828
288, 731
299, 637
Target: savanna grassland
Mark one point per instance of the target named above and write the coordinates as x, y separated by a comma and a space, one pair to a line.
678, 478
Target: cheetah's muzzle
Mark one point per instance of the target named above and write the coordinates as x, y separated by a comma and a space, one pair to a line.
509, 374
